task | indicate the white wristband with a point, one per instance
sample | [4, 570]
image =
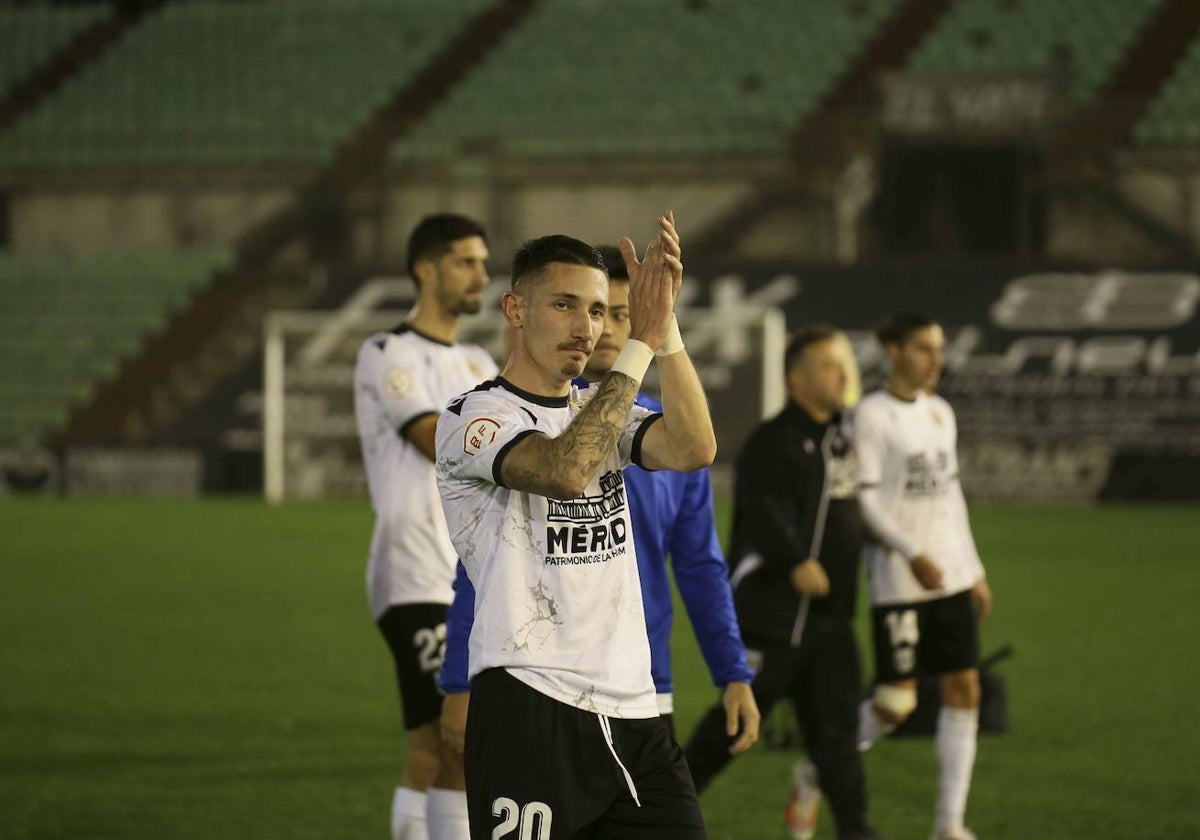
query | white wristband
[634, 359]
[673, 343]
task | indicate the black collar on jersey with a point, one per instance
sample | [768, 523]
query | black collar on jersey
[538, 399]
[407, 327]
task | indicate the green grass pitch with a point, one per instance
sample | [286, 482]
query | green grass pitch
[208, 669]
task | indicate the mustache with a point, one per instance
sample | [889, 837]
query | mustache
[582, 346]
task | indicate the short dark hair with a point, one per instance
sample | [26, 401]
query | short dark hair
[615, 262]
[435, 235]
[899, 328]
[538, 253]
[804, 339]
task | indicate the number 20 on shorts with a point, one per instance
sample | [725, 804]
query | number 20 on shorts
[530, 822]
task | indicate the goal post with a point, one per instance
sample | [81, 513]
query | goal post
[310, 438]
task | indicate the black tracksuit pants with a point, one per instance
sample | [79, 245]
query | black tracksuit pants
[823, 679]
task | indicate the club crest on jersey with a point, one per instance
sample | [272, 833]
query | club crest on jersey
[936, 415]
[398, 381]
[479, 434]
[579, 402]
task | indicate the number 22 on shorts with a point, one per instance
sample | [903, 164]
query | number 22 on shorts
[430, 643]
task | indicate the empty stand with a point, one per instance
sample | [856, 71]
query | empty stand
[31, 36]
[650, 78]
[1077, 43]
[67, 323]
[220, 83]
[1173, 118]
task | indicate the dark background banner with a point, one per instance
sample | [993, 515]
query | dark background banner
[1069, 384]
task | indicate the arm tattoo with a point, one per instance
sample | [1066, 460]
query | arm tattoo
[591, 436]
[594, 433]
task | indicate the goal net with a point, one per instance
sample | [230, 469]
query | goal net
[310, 439]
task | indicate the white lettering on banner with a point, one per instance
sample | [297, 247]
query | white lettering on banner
[994, 104]
[1117, 355]
[727, 325]
[1108, 300]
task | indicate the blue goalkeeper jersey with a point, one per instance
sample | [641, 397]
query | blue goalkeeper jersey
[672, 513]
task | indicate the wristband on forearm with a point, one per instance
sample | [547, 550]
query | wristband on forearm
[673, 343]
[634, 359]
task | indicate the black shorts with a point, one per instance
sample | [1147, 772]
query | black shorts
[933, 637]
[416, 635]
[537, 768]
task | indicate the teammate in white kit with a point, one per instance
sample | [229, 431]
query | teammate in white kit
[403, 379]
[564, 737]
[928, 589]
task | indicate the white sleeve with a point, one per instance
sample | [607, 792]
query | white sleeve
[394, 376]
[870, 445]
[883, 528]
[475, 432]
[960, 499]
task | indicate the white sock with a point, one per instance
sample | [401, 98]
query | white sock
[956, 730]
[870, 727]
[447, 814]
[408, 815]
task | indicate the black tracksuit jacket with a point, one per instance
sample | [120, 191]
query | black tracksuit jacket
[796, 496]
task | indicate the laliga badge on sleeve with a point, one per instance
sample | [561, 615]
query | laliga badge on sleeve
[479, 434]
[398, 381]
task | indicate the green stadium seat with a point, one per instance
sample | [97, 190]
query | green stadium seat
[213, 83]
[1173, 118]
[1025, 36]
[31, 36]
[600, 80]
[67, 323]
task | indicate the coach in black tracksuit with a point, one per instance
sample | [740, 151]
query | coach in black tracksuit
[795, 552]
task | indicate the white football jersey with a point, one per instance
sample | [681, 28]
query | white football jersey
[558, 600]
[400, 377]
[908, 451]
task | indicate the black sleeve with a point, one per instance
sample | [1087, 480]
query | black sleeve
[774, 514]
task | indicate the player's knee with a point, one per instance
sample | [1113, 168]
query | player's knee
[450, 770]
[961, 689]
[422, 754]
[894, 703]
